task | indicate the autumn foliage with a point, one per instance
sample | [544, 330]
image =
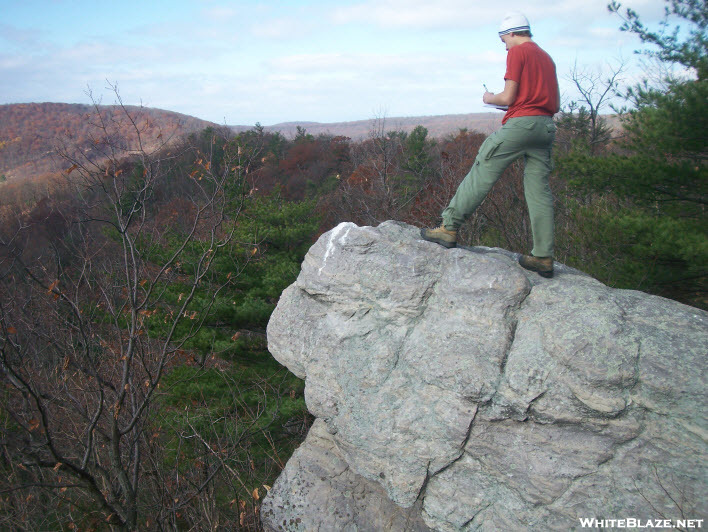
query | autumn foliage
[30, 133]
[139, 266]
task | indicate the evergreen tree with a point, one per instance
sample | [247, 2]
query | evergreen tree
[417, 150]
[658, 173]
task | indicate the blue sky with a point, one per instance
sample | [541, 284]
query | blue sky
[243, 62]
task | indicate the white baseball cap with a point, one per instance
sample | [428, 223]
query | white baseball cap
[513, 22]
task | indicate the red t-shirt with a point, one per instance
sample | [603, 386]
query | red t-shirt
[535, 72]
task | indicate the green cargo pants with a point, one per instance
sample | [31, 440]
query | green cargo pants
[530, 137]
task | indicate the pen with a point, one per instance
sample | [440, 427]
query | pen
[485, 87]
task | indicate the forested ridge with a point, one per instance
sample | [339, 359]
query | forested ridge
[137, 388]
[31, 132]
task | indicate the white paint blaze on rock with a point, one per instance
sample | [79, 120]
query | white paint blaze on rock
[477, 395]
[337, 237]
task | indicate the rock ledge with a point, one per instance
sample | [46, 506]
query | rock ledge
[456, 391]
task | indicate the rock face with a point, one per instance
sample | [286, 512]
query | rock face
[454, 390]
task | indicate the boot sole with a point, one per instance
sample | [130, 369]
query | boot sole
[443, 243]
[548, 274]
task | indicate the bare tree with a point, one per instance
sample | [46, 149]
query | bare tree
[89, 328]
[391, 170]
[370, 194]
[455, 156]
[582, 117]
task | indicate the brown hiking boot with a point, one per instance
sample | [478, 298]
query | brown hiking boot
[441, 236]
[541, 265]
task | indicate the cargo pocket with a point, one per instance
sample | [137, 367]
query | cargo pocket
[490, 147]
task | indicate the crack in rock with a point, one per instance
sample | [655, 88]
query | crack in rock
[467, 392]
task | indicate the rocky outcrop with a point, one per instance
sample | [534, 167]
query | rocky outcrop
[454, 390]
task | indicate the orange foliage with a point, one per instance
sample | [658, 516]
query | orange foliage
[361, 176]
[30, 133]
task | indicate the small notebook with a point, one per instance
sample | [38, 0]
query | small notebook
[500, 107]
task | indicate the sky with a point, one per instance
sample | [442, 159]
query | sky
[244, 62]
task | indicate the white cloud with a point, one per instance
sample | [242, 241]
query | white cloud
[11, 62]
[19, 36]
[320, 61]
[333, 64]
[282, 28]
[605, 34]
[415, 14]
[220, 13]
[461, 14]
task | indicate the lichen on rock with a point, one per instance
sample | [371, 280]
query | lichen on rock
[477, 395]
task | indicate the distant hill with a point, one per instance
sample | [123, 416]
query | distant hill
[29, 133]
[437, 126]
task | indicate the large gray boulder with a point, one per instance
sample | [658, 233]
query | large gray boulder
[454, 390]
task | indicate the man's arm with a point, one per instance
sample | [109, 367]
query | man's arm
[558, 93]
[507, 97]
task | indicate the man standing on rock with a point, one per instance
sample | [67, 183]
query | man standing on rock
[532, 96]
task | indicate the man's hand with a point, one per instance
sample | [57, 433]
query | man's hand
[511, 89]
